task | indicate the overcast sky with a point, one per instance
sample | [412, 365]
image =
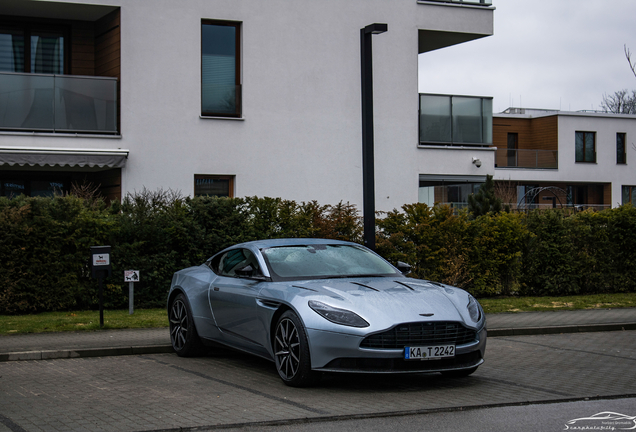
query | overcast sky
[556, 54]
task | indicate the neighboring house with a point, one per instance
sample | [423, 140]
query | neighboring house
[547, 158]
[237, 98]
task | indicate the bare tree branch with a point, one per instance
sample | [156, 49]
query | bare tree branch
[628, 55]
[621, 102]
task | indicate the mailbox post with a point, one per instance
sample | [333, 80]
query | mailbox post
[100, 268]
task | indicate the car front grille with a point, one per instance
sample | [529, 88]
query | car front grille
[420, 334]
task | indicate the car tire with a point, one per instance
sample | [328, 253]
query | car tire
[291, 352]
[183, 334]
[459, 373]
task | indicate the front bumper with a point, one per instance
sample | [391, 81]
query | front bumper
[338, 352]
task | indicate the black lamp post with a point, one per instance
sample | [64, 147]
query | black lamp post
[368, 175]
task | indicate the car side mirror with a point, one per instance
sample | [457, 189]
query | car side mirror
[403, 267]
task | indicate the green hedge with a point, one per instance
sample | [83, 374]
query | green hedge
[44, 245]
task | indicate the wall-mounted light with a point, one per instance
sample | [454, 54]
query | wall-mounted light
[477, 162]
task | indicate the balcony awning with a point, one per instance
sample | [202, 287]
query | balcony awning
[32, 156]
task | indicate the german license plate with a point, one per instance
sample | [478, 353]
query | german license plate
[429, 352]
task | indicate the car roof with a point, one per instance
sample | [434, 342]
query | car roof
[261, 244]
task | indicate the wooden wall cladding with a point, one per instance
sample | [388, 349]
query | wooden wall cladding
[534, 133]
[82, 48]
[108, 45]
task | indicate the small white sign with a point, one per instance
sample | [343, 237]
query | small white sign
[101, 259]
[131, 275]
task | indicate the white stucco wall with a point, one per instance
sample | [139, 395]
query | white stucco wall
[300, 136]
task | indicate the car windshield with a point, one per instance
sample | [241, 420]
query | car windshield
[324, 261]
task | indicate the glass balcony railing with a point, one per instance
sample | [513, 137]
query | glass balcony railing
[455, 120]
[541, 159]
[471, 2]
[58, 103]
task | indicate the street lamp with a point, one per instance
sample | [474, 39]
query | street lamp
[368, 176]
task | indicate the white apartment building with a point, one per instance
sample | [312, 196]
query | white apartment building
[557, 158]
[239, 98]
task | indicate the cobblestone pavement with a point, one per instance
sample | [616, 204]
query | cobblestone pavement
[163, 391]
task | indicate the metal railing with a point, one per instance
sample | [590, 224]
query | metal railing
[58, 103]
[539, 159]
[471, 2]
[572, 208]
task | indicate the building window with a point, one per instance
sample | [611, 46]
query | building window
[629, 194]
[513, 146]
[33, 49]
[621, 156]
[585, 146]
[220, 69]
[34, 185]
[213, 185]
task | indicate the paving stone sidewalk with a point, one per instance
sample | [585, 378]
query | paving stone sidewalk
[150, 341]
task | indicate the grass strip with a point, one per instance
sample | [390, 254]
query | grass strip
[82, 320]
[542, 304]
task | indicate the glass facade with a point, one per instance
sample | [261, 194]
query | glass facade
[36, 185]
[451, 191]
[455, 120]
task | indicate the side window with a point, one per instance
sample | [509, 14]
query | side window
[621, 156]
[229, 262]
[220, 68]
[585, 143]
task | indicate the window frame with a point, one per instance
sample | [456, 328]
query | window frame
[585, 133]
[238, 113]
[230, 179]
[621, 157]
[629, 192]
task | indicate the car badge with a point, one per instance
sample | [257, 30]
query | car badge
[427, 314]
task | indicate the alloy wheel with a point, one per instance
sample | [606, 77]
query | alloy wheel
[178, 324]
[287, 349]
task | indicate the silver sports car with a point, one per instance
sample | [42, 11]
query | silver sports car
[315, 305]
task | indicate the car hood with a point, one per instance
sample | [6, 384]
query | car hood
[383, 301]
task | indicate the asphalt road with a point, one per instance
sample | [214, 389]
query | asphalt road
[537, 418]
[227, 389]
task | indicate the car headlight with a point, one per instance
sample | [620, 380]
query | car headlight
[473, 309]
[338, 316]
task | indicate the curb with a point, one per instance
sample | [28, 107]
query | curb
[85, 352]
[163, 349]
[586, 328]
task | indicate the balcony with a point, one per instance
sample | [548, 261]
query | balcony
[58, 103]
[527, 159]
[455, 120]
[470, 2]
